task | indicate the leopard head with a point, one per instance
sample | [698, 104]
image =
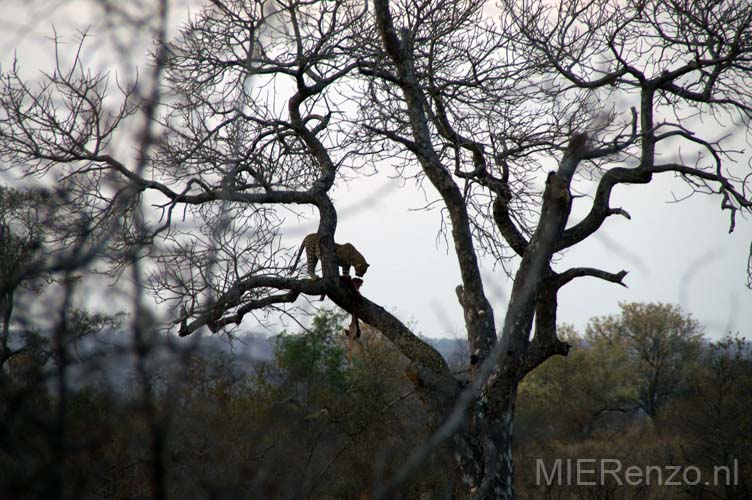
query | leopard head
[361, 268]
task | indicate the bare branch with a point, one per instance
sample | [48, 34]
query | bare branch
[579, 272]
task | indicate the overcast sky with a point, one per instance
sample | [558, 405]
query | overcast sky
[675, 252]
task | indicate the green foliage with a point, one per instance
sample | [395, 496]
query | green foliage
[314, 355]
[663, 344]
[716, 417]
[307, 424]
[705, 417]
[565, 395]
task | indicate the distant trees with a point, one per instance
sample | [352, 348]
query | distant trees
[663, 343]
[20, 240]
[41, 334]
[314, 355]
[643, 358]
[567, 396]
[34, 224]
[302, 425]
[716, 418]
[25, 225]
[305, 424]
[594, 405]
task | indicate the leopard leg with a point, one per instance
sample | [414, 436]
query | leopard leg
[312, 261]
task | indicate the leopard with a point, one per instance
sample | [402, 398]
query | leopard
[347, 256]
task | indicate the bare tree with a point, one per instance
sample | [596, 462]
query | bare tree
[261, 107]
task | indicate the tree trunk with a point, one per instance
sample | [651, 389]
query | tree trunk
[483, 452]
[6, 310]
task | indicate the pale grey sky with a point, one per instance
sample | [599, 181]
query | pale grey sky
[675, 252]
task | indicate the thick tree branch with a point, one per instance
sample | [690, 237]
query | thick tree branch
[600, 209]
[432, 367]
[578, 272]
[480, 325]
[507, 227]
[243, 298]
[530, 291]
[545, 342]
[214, 315]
